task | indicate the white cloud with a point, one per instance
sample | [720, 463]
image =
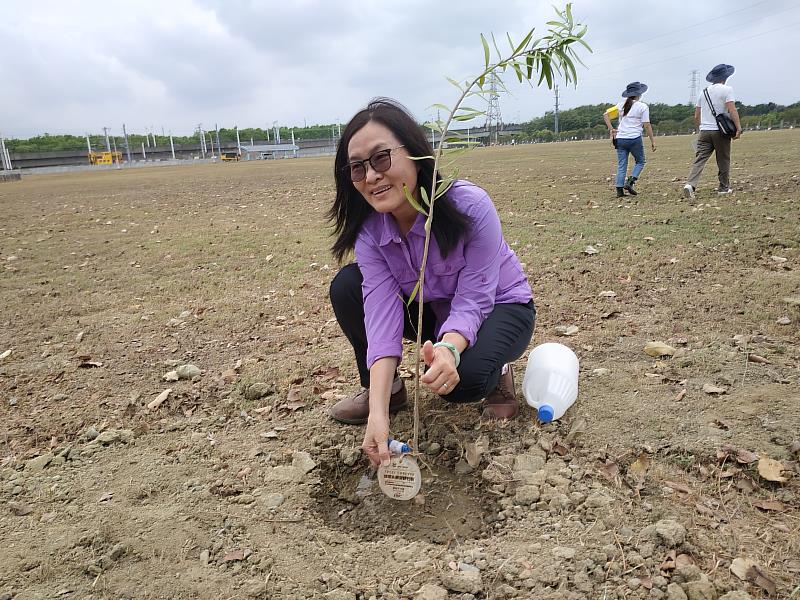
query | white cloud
[79, 66]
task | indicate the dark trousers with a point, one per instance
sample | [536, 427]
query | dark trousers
[709, 142]
[502, 338]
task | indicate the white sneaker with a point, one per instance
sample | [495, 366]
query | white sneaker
[688, 191]
[722, 192]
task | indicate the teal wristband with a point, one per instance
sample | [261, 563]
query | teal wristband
[453, 349]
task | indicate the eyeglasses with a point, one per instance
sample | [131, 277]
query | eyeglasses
[381, 162]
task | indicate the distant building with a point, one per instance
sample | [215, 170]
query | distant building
[269, 151]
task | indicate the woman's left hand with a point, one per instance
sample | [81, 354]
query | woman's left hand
[654, 146]
[441, 376]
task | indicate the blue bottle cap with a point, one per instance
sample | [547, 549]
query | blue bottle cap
[546, 413]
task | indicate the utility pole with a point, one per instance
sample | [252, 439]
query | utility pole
[144, 154]
[202, 139]
[127, 145]
[5, 158]
[693, 81]
[238, 143]
[294, 148]
[88, 143]
[171, 145]
[219, 148]
[493, 118]
[555, 125]
[108, 145]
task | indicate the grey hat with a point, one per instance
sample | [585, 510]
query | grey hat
[634, 89]
[720, 73]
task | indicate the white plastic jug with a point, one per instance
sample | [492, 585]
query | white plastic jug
[551, 380]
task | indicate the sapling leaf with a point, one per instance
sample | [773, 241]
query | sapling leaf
[485, 51]
[444, 185]
[455, 83]
[496, 47]
[413, 294]
[442, 106]
[413, 201]
[524, 42]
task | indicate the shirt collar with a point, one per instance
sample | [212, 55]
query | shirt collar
[391, 233]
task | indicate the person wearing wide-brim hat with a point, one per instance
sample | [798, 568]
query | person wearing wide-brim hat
[634, 115]
[718, 95]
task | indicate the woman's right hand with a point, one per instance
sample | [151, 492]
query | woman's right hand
[376, 440]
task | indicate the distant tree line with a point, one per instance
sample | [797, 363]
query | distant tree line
[585, 122]
[582, 122]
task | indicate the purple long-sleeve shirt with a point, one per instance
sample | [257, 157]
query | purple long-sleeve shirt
[463, 288]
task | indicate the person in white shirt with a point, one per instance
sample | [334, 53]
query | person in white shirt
[627, 137]
[709, 138]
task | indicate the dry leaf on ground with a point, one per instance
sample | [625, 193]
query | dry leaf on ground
[640, 466]
[749, 570]
[657, 349]
[769, 505]
[746, 457]
[678, 487]
[159, 400]
[755, 358]
[771, 469]
[608, 469]
[474, 450]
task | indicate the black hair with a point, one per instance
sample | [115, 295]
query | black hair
[350, 209]
[628, 103]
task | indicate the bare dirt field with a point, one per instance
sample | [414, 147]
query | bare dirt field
[672, 477]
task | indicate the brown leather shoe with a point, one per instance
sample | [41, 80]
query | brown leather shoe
[502, 402]
[355, 409]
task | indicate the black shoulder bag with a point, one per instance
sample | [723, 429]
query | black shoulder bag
[725, 124]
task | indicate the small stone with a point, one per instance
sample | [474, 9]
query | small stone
[433, 449]
[463, 468]
[634, 583]
[205, 557]
[783, 321]
[468, 568]
[700, 590]
[431, 591]
[466, 583]
[600, 372]
[38, 464]
[339, 594]
[303, 462]
[258, 390]
[349, 456]
[671, 532]
[736, 595]
[408, 553]
[187, 371]
[686, 573]
[527, 495]
[274, 500]
[563, 552]
[91, 434]
[675, 592]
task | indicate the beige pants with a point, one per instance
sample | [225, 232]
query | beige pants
[707, 143]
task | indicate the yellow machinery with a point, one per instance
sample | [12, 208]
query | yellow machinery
[226, 156]
[105, 158]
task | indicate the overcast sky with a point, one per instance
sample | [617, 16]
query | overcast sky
[73, 67]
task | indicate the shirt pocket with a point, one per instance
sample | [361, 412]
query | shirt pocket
[444, 275]
[403, 274]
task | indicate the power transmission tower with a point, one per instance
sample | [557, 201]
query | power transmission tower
[493, 118]
[693, 81]
[555, 121]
